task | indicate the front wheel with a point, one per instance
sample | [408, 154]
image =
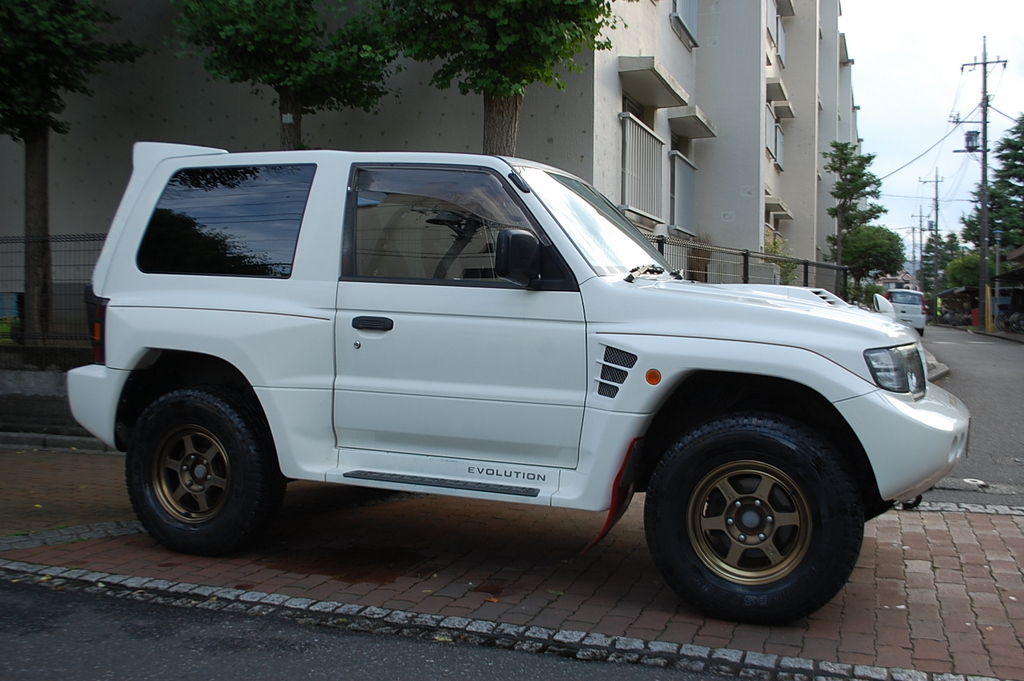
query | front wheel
[754, 518]
[201, 471]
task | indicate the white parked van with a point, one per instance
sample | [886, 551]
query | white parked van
[910, 307]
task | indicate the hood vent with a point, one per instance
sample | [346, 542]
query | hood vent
[614, 368]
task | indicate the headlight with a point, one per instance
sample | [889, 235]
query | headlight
[900, 370]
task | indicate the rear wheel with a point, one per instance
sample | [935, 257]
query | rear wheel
[201, 471]
[754, 518]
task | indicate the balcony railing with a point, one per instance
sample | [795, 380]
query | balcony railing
[682, 196]
[641, 168]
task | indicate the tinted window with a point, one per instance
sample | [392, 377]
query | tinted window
[430, 223]
[906, 297]
[241, 221]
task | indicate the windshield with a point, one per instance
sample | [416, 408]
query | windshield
[610, 243]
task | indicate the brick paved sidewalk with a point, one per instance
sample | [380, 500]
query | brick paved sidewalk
[938, 592]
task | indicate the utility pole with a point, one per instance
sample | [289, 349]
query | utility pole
[933, 229]
[920, 235]
[983, 278]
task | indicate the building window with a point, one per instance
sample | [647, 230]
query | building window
[684, 21]
[780, 147]
[774, 137]
[780, 40]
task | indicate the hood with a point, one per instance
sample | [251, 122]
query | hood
[663, 306]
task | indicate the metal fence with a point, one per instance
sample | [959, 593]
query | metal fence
[73, 256]
[700, 261]
[65, 326]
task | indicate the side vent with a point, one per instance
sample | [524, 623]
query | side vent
[614, 370]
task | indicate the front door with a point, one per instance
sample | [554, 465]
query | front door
[436, 357]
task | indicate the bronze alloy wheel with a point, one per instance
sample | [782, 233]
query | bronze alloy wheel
[191, 474]
[749, 522]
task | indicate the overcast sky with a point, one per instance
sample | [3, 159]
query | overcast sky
[908, 83]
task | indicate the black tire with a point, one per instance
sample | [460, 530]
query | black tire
[202, 471]
[754, 518]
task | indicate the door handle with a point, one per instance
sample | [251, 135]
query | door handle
[373, 323]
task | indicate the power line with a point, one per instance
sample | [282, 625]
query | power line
[1001, 113]
[917, 158]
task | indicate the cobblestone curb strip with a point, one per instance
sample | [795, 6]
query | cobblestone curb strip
[69, 534]
[580, 645]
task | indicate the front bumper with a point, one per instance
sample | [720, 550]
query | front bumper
[911, 444]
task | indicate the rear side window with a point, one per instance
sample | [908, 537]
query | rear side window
[236, 221]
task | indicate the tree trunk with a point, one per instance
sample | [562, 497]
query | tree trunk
[38, 284]
[839, 238]
[501, 124]
[291, 119]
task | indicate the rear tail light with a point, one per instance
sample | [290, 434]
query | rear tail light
[97, 310]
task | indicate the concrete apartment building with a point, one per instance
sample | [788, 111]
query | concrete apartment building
[707, 118]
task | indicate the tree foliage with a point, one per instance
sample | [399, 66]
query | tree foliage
[48, 49]
[497, 48]
[1005, 195]
[287, 45]
[964, 271]
[854, 185]
[872, 251]
[937, 253]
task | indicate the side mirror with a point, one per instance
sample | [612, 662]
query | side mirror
[517, 257]
[884, 306]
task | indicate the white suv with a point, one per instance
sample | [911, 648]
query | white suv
[495, 329]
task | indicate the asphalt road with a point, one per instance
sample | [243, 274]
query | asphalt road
[71, 635]
[988, 375]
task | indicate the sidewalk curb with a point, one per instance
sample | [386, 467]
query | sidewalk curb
[47, 441]
[580, 645]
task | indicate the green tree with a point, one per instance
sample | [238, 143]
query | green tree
[496, 48]
[937, 253]
[48, 49]
[1005, 195]
[964, 271]
[286, 45]
[868, 295]
[854, 185]
[872, 251]
[788, 270]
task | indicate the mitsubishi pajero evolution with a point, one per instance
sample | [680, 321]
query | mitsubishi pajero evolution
[495, 329]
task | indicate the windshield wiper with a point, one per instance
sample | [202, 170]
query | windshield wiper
[641, 270]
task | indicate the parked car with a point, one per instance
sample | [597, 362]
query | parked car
[493, 329]
[910, 307]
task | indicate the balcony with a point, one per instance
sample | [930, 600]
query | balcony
[649, 83]
[641, 169]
